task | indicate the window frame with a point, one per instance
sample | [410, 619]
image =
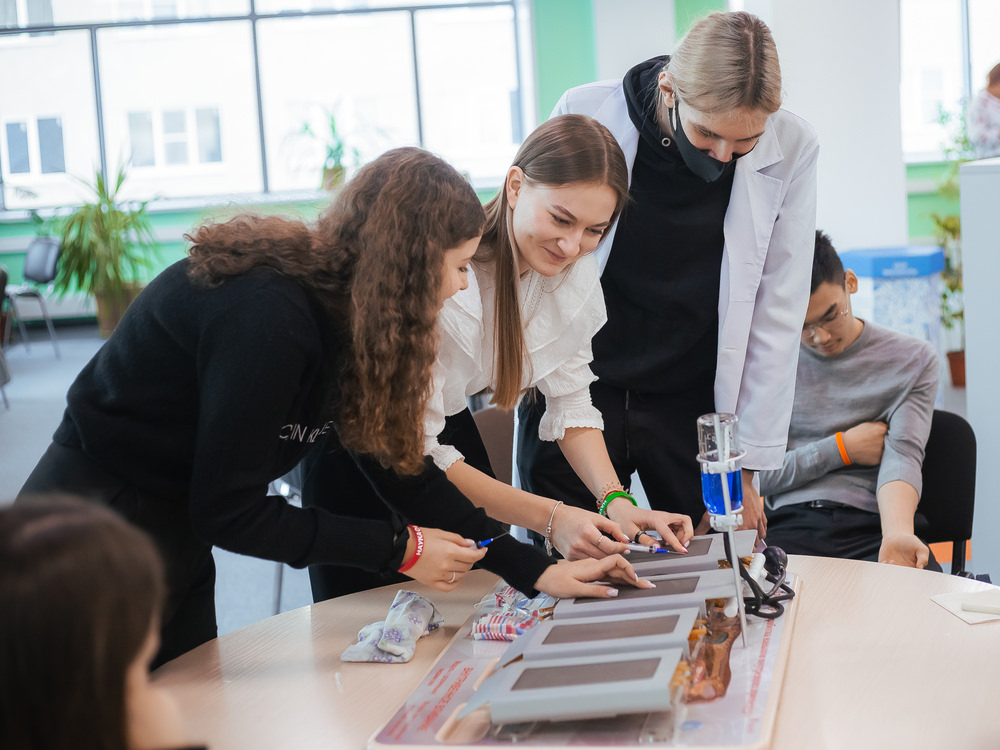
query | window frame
[520, 11]
[33, 138]
[969, 88]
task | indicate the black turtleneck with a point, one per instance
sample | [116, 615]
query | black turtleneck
[661, 283]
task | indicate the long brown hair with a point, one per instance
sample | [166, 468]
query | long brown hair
[565, 150]
[80, 589]
[374, 262]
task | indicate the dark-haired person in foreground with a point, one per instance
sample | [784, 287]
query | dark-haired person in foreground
[81, 592]
[864, 398]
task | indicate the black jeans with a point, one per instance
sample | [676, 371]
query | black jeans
[332, 481]
[189, 612]
[657, 436]
[832, 531]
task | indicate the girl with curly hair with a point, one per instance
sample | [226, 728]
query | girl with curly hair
[233, 363]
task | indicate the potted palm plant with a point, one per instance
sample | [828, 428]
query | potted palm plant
[105, 245]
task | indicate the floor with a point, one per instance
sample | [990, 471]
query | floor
[248, 589]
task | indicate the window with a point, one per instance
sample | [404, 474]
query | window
[55, 138]
[177, 141]
[140, 136]
[18, 160]
[35, 146]
[206, 98]
[984, 49]
[947, 48]
[209, 135]
[170, 73]
[50, 145]
[472, 119]
[175, 137]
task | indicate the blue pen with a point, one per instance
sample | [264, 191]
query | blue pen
[480, 545]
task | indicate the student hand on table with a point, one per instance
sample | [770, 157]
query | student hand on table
[569, 579]
[674, 528]
[900, 548]
[579, 534]
[444, 560]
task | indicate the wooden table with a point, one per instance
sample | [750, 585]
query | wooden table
[874, 663]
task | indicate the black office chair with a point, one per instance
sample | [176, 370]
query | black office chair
[949, 494]
[40, 262]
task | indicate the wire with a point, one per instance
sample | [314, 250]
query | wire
[766, 606]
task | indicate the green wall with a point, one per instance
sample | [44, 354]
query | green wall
[565, 49]
[687, 12]
[925, 198]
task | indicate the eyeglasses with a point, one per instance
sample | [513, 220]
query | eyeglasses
[828, 324]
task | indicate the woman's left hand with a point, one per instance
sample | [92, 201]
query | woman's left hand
[569, 579]
[674, 529]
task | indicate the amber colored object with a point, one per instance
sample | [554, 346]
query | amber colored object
[710, 673]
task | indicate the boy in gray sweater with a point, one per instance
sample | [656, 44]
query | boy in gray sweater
[864, 398]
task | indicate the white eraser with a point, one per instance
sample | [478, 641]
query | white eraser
[987, 601]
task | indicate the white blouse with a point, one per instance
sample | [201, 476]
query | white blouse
[560, 315]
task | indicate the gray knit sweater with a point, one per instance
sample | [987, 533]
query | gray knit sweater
[883, 376]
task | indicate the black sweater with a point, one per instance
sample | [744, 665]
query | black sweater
[661, 282]
[204, 396]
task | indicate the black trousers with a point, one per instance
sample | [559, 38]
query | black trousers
[189, 613]
[657, 436]
[332, 481]
[832, 531]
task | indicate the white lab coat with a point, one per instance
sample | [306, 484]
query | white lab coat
[766, 266]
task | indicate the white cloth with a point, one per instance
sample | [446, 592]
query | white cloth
[983, 124]
[766, 266]
[560, 315]
[394, 640]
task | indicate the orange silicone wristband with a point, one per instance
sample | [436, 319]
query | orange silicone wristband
[843, 449]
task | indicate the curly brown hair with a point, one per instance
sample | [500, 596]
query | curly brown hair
[374, 262]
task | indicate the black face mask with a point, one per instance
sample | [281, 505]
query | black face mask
[703, 165]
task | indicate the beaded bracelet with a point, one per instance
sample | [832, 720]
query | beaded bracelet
[609, 487]
[419, 536]
[603, 509]
[548, 528]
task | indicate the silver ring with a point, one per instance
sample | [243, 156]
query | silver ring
[599, 540]
[452, 579]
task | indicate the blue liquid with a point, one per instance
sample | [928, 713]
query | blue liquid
[711, 492]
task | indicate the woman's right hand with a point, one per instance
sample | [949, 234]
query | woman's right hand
[445, 560]
[579, 534]
[570, 579]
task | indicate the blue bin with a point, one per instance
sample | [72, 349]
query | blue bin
[899, 288]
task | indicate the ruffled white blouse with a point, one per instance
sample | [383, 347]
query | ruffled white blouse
[560, 315]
